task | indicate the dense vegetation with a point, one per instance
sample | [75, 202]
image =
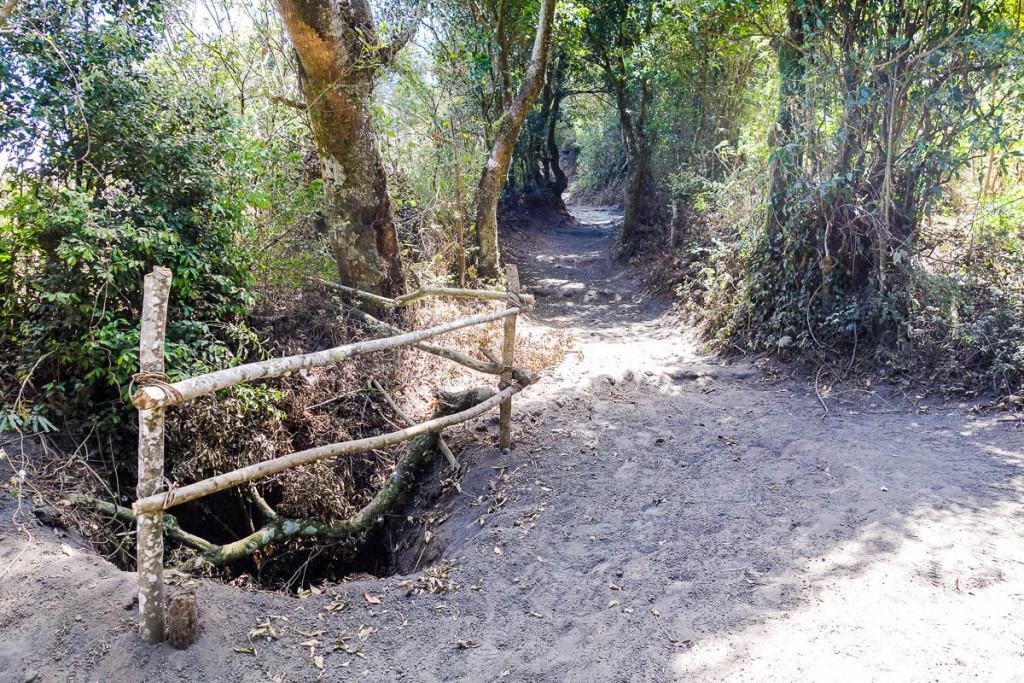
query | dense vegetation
[837, 180]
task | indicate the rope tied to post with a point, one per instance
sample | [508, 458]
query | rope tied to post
[172, 488]
[158, 380]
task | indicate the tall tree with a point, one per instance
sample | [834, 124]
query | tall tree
[495, 172]
[340, 58]
[616, 32]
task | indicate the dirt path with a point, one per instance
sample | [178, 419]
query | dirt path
[662, 517]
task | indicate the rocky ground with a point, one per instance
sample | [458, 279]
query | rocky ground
[663, 516]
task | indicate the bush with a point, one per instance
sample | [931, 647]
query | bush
[82, 228]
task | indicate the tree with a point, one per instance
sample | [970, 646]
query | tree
[340, 57]
[616, 32]
[495, 172]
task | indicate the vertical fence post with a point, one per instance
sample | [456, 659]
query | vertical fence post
[507, 359]
[149, 527]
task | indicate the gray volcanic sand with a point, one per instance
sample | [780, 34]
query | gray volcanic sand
[662, 517]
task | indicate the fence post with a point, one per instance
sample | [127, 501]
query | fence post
[507, 358]
[149, 526]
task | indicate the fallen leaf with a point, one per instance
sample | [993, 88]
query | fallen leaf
[318, 662]
[366, 632]
[613, 603]
[466, 644]
[370, 598]
[614, 586]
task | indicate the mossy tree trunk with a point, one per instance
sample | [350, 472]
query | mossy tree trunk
[340, 56]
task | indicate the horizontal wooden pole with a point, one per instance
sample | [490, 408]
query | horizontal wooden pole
[162, 501]
[521, 375]
[355, 292]
[155, 396]
[489, 294]
[422, 292]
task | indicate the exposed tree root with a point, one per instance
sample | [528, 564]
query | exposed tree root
[279, 528]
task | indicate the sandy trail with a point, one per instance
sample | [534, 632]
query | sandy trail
[662, 517]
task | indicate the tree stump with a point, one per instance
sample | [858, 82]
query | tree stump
[182, 621]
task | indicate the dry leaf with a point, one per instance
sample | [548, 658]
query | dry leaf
[371, 599]
[614, 586]
[613, 603]
[318, 662]
[466, 644]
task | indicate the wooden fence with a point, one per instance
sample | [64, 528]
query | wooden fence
[155, 392]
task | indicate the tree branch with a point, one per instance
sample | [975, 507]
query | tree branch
[6, 11]
[289, 102]
[397, 39]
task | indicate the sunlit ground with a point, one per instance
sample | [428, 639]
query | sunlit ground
[944, 600]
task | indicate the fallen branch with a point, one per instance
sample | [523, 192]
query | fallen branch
[155, 396]
[162, 501]
[441, 445]
[123, 514]
[280, 528]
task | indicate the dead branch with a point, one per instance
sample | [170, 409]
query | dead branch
[441, 445]
[123, 514]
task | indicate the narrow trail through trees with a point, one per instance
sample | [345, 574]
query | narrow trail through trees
[662, 516]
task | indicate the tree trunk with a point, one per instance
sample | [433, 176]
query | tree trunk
[495, 173]
[791, 88]
[559, 182]
[339, 57]
[637, 151]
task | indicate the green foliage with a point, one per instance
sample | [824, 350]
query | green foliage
[880, 114]
[137, 174]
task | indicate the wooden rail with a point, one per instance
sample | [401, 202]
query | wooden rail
[155, 393]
